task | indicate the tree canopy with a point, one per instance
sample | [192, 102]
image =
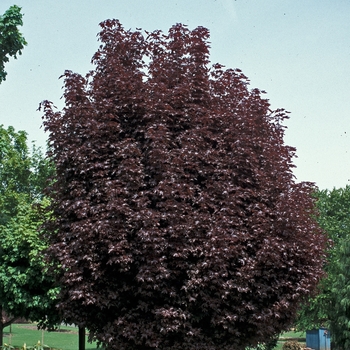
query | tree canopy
[338, 311]
[329, 307]
[26, 289]
[176, 220]
[333, 216]
[12, 41]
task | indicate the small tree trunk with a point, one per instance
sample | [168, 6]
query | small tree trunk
[81, 338]
[4, 323]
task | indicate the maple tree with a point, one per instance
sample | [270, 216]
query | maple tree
[176, 219]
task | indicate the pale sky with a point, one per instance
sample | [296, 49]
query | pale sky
[298, 51]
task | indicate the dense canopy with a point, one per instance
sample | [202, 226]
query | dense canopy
[177, 221]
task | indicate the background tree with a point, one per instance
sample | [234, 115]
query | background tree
[177, 222]
[12, 41]
[26, 289]
[339, 312]
[334, 217]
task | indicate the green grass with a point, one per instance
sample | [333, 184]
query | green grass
[66, 338]
[294, 334]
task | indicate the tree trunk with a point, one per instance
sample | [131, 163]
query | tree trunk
[4, 324]
[81, 338]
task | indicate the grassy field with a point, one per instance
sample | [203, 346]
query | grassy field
[66, 338]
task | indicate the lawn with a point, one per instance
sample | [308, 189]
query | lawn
[66, 338]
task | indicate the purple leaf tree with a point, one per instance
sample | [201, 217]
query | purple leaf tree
[177, 222]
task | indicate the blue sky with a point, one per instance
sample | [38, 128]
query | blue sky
[298, 51]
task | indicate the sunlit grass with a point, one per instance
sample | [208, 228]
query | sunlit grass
[66, 338]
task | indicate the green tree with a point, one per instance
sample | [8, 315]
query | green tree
[334, 218]
[26, 289]
[12, 41]
[339, 312]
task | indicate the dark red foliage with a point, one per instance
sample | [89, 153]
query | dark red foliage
[178, 223]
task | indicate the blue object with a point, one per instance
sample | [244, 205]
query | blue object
[318, 339]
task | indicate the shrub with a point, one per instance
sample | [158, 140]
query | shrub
[37, 346]
[292, 345]
[260, 346]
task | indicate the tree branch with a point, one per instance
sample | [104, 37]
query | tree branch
[7, 323]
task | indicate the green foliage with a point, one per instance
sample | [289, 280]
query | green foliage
[291, 345]
[12, 41]
[339, 313]
[334, 218]
[26, 290]
[37, 346]
[6, 347]
[23, 174]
